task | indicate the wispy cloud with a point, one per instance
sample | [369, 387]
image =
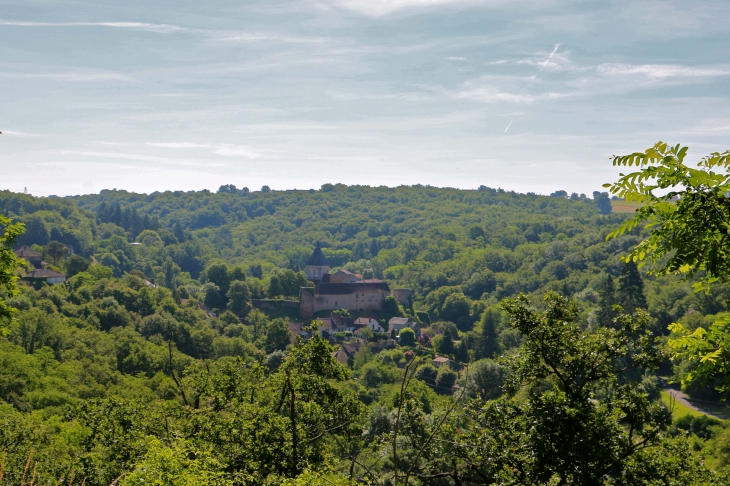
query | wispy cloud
[226, 150]
[11, 133]
[179, 145]
[157, 28]
[378, 8]
[236, 151]
[661, 71]
[80, 76]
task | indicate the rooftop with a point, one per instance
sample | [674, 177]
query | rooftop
[26, 252]
[317, 259]
[43, 273]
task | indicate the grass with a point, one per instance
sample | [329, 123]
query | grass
[679, 409]
[720, 410]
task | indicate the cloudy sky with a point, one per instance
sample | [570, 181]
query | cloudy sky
[528, 95]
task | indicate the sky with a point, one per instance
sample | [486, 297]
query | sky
[525, 95]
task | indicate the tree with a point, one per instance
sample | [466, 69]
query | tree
[445, 379]
[36, 231]
[171, 270]
[563, 432]
[8, 263]
[278, 336]
[606, 301]
[407, 337]
[487, 344]
[603, 202]
[56, 250]
[630, 293]
[391, 307]
[446, 344]
[456, 308]
[239, 298]
[76, 264]
[689, 236]
[485, 380]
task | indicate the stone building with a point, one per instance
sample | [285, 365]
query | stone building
[316, 266]
[339, 290]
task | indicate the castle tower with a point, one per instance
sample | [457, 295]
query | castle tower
[316, 266]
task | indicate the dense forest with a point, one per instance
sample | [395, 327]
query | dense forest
[118, 376]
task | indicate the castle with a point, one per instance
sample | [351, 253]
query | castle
[341, 290]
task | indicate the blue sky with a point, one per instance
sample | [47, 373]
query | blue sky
[524, 95]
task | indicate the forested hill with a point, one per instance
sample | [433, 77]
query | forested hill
[482, 245]
[110, 378]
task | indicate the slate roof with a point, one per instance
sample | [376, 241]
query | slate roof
[44, 274]
[317, 259]
[346, 288]
[26, 252]
[398, 320]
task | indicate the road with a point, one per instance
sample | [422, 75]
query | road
[682, 398]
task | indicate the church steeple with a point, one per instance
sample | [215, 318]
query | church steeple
[317, 265]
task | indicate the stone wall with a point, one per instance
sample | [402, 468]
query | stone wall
[353, 302]
[306, 302]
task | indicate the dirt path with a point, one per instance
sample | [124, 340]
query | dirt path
[682, 398]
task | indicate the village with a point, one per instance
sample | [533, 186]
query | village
[340, 307]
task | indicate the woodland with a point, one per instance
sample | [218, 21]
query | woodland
[563, 348]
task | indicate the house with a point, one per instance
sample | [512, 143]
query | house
[295, 329]
[209, 314]
[30, 255]
[346, 353]
[369, 323]
[398, 323]
[334, 324]
[440, 361]
[48, 276]
[340, 290]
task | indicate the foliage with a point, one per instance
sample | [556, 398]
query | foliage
[8, 264]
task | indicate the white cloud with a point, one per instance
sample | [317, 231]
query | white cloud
[157, 28]
[378, 8]
[660, 71]
[179, 145]
[488, 94]
[11, 133]
[236, 151]
[80, 76]
[457, 58]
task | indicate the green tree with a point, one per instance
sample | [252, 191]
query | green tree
[487, 343]
[630, 292]
[445, 379]
[76, 264]
[239, 298]
[562, 431]
[278, 336]
[8, 263]
[407, 337]
[391, 307]
[446, 344]
[606, 301]
[56, 250]
[603, 202]
[689, 219]
[485, 380]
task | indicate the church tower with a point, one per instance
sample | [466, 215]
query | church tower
[316, 266]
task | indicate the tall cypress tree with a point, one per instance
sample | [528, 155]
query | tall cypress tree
[487, 345]
[606, 300]
[631, 288]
